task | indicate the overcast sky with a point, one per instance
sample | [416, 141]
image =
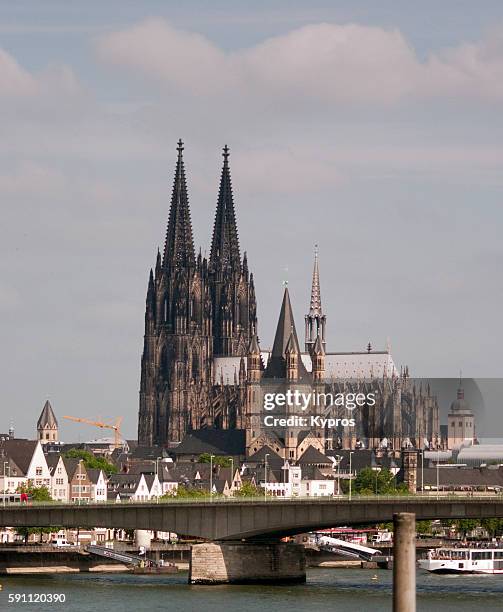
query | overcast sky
[372, 129]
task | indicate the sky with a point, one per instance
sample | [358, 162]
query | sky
[371, 129]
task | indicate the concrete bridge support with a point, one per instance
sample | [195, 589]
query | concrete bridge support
[247, 563]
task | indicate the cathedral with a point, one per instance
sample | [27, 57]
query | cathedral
[202, 365]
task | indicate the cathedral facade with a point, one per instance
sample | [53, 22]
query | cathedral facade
[202, 365]
[197, 309]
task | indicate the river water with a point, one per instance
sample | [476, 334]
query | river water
[326, 589]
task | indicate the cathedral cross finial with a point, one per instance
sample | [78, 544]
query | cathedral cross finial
[226, 153]
[179, 148]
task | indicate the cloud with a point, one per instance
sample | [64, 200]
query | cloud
[15, 81]
[327, 63]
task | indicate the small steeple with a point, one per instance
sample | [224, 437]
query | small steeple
[225, 243]
[315, 304]
[285, 338]
[179, 244]
[315, 320]
[47, 425]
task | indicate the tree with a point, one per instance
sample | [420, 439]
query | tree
[39, 494]
[380, 482]
[217, 460]
[423, 527]
[183, 491]
[465, 525]
[493, 526]
[91, 461]
[248, 489]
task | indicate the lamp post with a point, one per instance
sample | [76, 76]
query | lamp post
[350, 473]
[5, 463]
[158, 479]
[211, 476]
[232, 472]
[438, 473]
[265, 476]
[422, 471]
[338, 459]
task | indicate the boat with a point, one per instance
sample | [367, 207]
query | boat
[464, 560]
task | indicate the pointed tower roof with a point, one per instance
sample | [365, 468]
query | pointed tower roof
[285, 338]
[315, 309]
[292, 346]
[254, 348]
[179, 244]
[225, 242]
[47, 417]
[318, 346]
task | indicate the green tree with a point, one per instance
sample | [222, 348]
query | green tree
[183, 491]
[493, 526]
[380, 482]
[217, 460]
[466, 525]
[39, 494]
[423, 527]
[248, 489]
[91, 461]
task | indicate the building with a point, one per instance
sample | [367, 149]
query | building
[47, 425]
[196, 310]
[460, 422]
[23, 462]
[202, 367]
[60, 486]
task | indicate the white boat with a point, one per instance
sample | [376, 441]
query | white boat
[464, 561]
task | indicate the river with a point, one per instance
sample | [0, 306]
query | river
[326, 589]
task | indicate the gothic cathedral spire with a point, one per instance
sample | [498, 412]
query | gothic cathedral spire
[225, 243]
[315, 319]
[179, 244]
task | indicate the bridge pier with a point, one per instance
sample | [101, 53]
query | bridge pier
[247, 563]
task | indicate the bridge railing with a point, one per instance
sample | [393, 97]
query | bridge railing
[269, 499]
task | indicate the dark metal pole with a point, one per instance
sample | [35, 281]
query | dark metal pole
[404, 562]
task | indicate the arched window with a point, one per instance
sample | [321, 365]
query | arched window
[164, 362]
[196, 308]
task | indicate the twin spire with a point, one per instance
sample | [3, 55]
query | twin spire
[179, 245]
[225, 243]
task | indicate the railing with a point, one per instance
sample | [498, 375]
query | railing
[269, 499]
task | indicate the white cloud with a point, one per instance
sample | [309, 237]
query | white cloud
[15, 81]
[326, 62]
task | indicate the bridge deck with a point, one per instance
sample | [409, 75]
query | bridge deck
[235, 518]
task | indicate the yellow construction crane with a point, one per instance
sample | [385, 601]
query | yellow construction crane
[115, 426]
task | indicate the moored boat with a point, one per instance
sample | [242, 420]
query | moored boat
[464, 561]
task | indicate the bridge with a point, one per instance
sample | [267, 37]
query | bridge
[237, 519]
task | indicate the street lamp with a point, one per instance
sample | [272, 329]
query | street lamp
[158, 479]
[338, 459]
[232, 472]
[4, 487]
[350, 473]
[422, 471]
[438, 473]
[211, 476]
[265, 476]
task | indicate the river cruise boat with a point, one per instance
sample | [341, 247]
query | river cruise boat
[464, 561]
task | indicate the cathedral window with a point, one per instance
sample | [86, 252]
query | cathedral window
[165, 310]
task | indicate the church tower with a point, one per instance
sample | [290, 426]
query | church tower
[196, 310]
[47, 425]
[234, 317]
[315, 319]
[177, 352]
